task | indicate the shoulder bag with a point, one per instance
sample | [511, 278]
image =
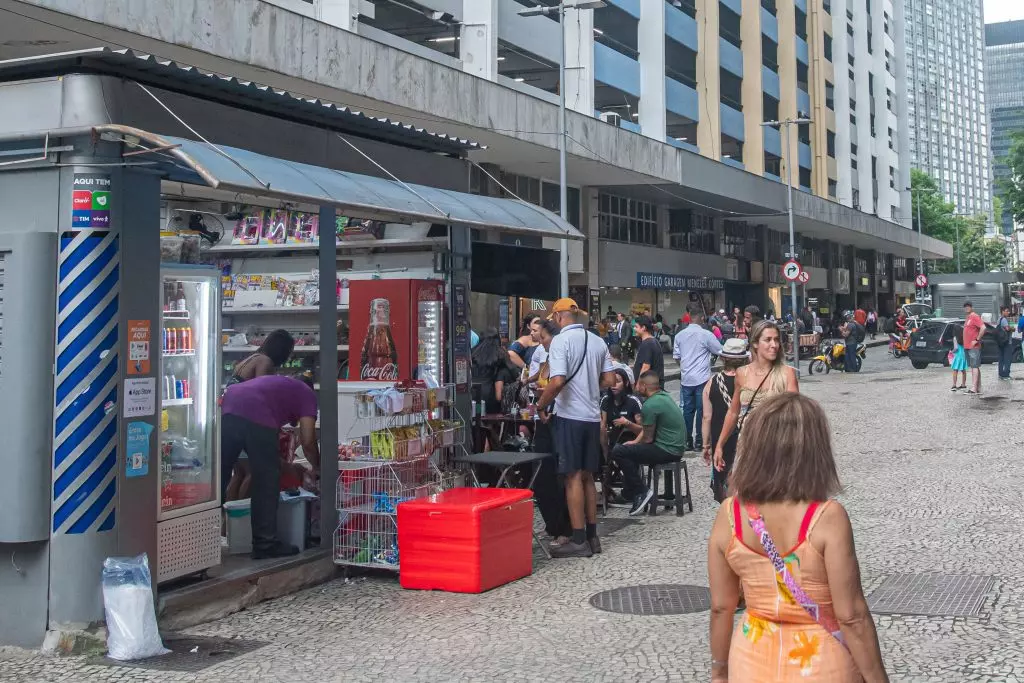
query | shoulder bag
[828, 623]
[750, 406]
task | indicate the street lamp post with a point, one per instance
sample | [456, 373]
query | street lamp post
[563, 209]
[784, 126]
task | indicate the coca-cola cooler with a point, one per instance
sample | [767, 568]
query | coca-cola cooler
[397, 330]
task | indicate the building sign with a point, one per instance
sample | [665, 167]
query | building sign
[680, 282]
[90, 201]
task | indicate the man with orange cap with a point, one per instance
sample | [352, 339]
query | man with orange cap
[579, 367]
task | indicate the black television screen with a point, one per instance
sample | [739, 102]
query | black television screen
[508, 270]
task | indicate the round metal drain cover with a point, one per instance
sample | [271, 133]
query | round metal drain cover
[660, 599]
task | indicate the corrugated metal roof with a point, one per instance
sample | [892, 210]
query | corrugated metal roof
[194, 81]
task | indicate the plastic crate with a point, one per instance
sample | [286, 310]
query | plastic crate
[466, 540]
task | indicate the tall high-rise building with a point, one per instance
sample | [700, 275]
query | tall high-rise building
[946, 99]
[1004, 73]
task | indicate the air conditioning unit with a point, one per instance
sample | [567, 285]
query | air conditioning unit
[611, 117]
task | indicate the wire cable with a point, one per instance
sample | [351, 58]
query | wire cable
[391, 175]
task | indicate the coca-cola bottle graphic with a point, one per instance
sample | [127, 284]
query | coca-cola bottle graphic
[379, 358]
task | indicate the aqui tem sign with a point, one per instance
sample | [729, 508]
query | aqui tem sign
[678, 282]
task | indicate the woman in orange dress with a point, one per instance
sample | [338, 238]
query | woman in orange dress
[806, 618]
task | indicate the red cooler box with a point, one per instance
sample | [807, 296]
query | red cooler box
[466, 540]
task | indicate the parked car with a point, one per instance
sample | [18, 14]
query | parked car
[933, 341]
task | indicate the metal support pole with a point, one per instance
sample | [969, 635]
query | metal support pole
[920, 258]
[563, 209]
[792, 246]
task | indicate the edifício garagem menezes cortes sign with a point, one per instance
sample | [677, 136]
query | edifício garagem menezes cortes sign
[681, 282]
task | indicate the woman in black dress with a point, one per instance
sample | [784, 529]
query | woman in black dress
[717, 399]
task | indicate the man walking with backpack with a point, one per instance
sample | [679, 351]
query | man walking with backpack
[1003, 340]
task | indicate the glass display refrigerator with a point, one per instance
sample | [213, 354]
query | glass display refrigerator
[396, 330]
[189, 517]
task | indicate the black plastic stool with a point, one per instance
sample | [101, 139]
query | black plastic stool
[680, 475]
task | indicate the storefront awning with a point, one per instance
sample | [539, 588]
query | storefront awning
[246, 172]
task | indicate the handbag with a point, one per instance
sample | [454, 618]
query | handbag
[828, 623]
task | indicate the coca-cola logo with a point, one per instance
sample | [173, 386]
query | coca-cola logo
[385, 373]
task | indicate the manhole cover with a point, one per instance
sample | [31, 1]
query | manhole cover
[933, 595]
[608, 526]
[189, 654]
[654, 600]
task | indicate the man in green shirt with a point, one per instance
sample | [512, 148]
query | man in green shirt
[660, 438]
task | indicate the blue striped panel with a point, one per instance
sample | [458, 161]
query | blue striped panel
[85, 436]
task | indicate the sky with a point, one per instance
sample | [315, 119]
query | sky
[1003, 10]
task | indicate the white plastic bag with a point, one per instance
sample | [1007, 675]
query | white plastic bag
[132, 632]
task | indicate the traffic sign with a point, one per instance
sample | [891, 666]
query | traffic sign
[804, 277]
[921, 280]
[791, 270]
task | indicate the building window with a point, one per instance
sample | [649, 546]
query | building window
[769, 5]
[770, 107]
[832, 188]
[827, 6]
[801, 76]
[828, 47]
[830, 143]
[627, 220]
[801, 23]
[687, 7]
[871, 50]
[739, 240]
[680, 63]
[805, 177]
[830, 95]
[849, 27]
[731, 89]
[851, 60]
[691, 231]
[769, 53]
[729, 25]
[772, 164]
[803, 133]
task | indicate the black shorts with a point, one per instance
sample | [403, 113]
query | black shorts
[578, 445]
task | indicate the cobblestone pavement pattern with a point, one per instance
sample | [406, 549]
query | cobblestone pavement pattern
[932, 483]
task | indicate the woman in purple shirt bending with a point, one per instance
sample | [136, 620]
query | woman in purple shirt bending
[252, 413]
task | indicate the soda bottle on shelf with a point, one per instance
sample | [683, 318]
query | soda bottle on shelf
[172, 341]
[187, 332]
[379, 358]
[180, 298]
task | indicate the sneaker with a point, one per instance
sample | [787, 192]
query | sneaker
[617, 500]
[972, 392]
[571, 549]
[595, 545]
[954, 388]
[277, 550]
[640, 502]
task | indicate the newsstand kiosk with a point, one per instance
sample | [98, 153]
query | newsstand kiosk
[110, 363]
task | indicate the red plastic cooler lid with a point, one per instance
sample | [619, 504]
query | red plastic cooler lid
[469, 499]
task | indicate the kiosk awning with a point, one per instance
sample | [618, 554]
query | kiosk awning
[246, 172]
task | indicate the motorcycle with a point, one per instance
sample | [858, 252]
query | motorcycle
[899, 343]
[832, 356]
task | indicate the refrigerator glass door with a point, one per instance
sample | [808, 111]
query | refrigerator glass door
[189, 382]
[429, 340]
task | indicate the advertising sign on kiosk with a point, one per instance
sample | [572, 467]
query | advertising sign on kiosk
[396, 330]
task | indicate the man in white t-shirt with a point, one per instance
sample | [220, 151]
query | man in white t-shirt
[579, 367]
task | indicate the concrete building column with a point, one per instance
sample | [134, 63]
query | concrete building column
[478, 47]
[709, 91]
[763, 241]
[786, 16]
[752, 88]
[590, 227]
[875, 274]
[831, 280]
[854, 274]
[651, 39]
[340, 13]
[579, 60]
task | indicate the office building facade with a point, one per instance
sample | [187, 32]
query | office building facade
[1004, 76]
[948, 123]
